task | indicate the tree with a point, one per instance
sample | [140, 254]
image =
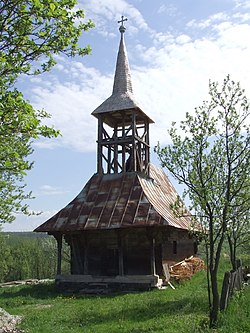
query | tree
[30, 257]
[32, 32]
[5, 258]
[210, 156]
[238, 233]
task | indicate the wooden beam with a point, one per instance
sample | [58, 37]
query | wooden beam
[99, 147]
[86, 261]
[120, 252]
[59, 254]
[152, 259]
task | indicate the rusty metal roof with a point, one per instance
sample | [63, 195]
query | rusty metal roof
[122, 97]
[121, 200]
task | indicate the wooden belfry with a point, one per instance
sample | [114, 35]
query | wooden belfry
[120, 228]
[125, 146]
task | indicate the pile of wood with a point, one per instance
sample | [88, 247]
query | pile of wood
[186, 268]
[24, 282]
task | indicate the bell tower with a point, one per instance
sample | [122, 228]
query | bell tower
[123, 128]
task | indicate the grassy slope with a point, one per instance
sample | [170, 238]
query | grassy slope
[180, 310]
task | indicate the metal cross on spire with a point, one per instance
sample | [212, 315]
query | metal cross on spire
[122, 28]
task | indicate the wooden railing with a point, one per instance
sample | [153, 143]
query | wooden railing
[232, 281]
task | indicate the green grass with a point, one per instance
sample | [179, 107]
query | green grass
[237, 317]
[181, 310]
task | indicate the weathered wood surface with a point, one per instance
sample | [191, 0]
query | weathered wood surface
[232, 281]
[104, 284]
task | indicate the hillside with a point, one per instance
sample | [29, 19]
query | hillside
[159, 311]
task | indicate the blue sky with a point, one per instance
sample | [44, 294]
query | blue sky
[174, 48]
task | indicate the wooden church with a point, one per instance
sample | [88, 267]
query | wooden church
[120, 228]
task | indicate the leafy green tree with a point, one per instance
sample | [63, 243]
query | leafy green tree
[5, 258]
[32, 32]
[19, 124]
[28, 258]
[210, 156]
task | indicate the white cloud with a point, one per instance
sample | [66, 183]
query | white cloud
[27, 223]
[51, 190]
[177, 79]
[243, 17]
[103, 12]
[168, 9]
[245, 4]
[183, 39]
[233, 36]
[208, 22]
[70, 103]
[170, 77]
[162, 9]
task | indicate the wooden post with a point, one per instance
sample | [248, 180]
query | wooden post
[109, 162]
[115, 150]
[239, 274]
[133, 151]
[238, 263]
[232, 283]
[225, 291]
[147, 149]
[59, 254]
[99, 145]
[120, 252]
[77, 259]
[153, 270]
[86, 262]
[123, 146]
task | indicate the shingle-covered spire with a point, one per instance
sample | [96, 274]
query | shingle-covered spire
[122, 80]
[122, 97]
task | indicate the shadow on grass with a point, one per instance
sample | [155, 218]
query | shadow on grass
[144, 312]
[106, 309]
[48, 291]
[133, 316]
[40, 291]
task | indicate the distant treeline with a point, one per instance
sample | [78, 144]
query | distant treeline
[28, 255]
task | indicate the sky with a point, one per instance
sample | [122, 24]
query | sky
[174, 49]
